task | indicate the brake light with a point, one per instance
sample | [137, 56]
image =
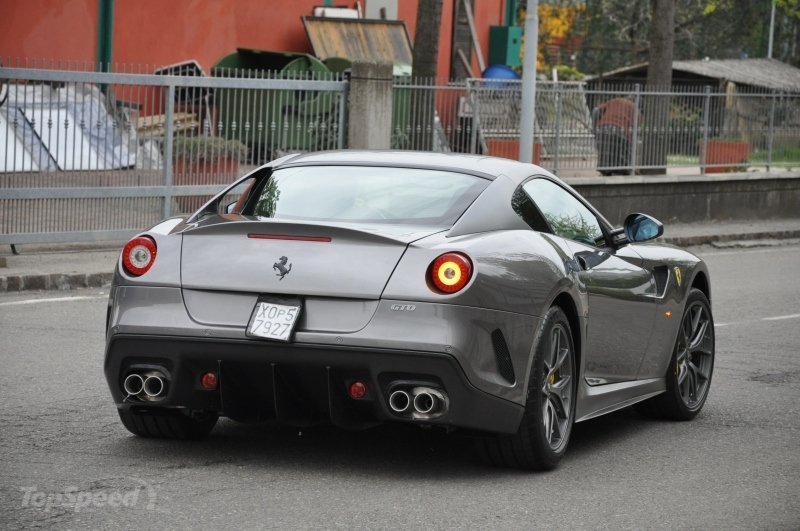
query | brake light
[138, 255]
[451, 272]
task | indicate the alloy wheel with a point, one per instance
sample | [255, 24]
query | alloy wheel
[694, 359]
[557, 389]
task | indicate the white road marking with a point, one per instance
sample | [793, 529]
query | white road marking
[54, 299]
[782, 317]
[761, 319]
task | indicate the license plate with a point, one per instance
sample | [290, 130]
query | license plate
[271, 320]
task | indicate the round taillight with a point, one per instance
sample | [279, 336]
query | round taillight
[357, 390]
[451, 272]
[209, 381]
[138, 255]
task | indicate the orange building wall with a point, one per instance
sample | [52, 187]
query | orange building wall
[48, 29]
[161, 32]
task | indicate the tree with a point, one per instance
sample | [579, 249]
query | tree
[659, 78]
[425, 61]
[426, 39]
[615, 33]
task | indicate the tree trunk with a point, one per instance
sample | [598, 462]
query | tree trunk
[425, 62]
[659, 78]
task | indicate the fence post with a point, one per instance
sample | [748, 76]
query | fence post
[557, 90]
[343, 96]
[168, 139]
[476, 115]
[635, 135]
[704, 145]
[771, 131]
[370, 106]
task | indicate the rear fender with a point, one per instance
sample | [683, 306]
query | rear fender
[166, 269]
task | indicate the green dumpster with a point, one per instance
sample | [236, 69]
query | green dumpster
[275, 121]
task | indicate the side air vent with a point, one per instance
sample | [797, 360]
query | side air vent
[503, 357]
[661, 274]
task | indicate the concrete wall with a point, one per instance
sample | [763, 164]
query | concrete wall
[695, 198]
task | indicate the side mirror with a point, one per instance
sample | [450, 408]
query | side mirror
[641, 227]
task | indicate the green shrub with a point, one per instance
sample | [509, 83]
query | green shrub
[207, 148]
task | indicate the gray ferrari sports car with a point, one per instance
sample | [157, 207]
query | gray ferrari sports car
[446, 290]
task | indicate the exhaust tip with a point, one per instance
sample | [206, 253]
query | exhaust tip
[133, 384]
[153, 386]
[425, 403]
[399, 401]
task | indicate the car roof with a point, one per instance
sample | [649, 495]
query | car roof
[485, 166]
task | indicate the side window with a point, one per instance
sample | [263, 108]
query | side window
[567, 216]
[234, 200]
[525, 209]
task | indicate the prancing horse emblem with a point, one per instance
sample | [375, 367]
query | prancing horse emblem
[280, 267]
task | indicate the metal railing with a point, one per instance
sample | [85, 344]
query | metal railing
[88, 155]
[582, 131]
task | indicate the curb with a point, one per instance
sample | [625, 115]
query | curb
[707, 239]
[55, 281]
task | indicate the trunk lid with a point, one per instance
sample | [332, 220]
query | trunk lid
[243, 254]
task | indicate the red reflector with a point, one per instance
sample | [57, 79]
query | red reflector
[451, 272]
[209, 381]
[320, 239]
[357, 390]
[138, 255]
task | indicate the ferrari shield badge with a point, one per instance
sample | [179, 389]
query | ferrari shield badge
[281, 268]
[678, 277]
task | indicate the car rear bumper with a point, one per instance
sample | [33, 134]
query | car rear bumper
[301, 384]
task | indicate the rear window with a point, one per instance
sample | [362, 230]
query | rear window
[367, 194]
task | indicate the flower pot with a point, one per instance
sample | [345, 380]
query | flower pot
[509, 148]
[193, 171]
[727, 155]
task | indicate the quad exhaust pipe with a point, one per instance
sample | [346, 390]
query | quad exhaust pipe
[399, 401]
[420, 402]
[133, 384]
[153, 386]
[148, 386]
[425, 403]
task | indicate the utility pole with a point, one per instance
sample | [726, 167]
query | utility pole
[527, 116]
[771, 30]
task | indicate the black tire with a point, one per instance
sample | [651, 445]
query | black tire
[690, 369]
[535, 447]
[167, 424]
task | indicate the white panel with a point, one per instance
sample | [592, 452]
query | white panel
[13, 155]
[68, 146]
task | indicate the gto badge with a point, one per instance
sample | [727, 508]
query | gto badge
[280, 267]
[402, 307]
[678, 278]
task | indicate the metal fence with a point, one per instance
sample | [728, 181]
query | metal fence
[88, 155]
[581, 131]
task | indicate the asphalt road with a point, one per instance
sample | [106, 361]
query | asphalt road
[67, 462]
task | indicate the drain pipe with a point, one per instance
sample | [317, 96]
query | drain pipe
[105, 34]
